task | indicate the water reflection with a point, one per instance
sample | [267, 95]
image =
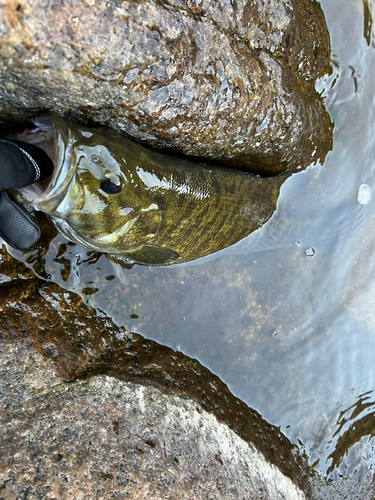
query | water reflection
[353, 424]
[367, 24]
[290, 330]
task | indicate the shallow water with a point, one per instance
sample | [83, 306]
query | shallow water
[285, 317]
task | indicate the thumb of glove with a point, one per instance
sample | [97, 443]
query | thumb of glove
[17, 226]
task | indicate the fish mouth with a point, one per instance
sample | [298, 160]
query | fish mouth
[52, 134]
[64, 170]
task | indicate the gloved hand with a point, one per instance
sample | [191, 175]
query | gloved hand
[21, 164]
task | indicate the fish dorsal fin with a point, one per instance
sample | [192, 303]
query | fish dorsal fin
[153, 255]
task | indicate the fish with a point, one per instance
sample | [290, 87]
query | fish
[138, 206]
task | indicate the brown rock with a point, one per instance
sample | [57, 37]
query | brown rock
[227, 81]
[162, 424]
[104, 438]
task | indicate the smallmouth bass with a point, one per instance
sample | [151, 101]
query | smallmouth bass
[114, 196]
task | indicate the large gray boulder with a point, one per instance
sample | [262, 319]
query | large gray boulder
[227, 81]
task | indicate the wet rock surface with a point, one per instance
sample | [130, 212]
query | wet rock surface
[227, 81]
[108, 432]
[105, 438]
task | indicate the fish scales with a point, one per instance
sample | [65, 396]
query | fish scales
[114, 196]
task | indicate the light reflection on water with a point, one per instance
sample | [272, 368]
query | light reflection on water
[291, 334]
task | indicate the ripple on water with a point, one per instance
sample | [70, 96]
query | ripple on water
[350, 423]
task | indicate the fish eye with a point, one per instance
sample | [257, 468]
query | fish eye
[95, 158]
[110, 187]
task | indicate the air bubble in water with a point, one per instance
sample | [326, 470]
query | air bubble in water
[364, 194]
[310, 252]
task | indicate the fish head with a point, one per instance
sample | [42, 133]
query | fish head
[93, 196]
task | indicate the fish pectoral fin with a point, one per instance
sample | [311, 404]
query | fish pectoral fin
[122, 261]
[153, 255]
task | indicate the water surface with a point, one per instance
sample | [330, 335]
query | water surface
[285, 317]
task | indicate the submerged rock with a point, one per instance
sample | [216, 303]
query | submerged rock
[105, 438]
[140, 419]
[227, 81]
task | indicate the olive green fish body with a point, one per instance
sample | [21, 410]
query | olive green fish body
[213, 209]
[116, 197]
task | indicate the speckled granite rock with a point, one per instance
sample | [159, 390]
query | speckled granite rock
[228, 81]
[91, 410]
[103, 438]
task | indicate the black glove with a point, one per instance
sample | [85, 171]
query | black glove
[21, 164]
